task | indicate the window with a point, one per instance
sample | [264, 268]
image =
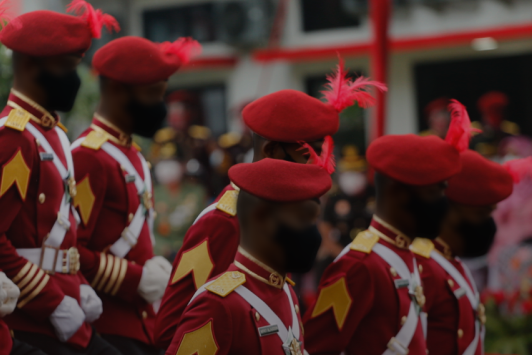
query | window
[331, 14]
[197, 21]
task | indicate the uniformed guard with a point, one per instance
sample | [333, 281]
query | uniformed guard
[455, 315]
[114, 188]
[251, 308]
[38, 226]
[371, 297]
[281, 122]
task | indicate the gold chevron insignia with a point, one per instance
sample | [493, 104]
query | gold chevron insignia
[196, 260]
[94, 140]
[199, 342]
[337, 297]
[364, 241]
[17, 172]
[84, 199]
[422, 246]
[227, 203]
[227, 283]
[18, 119]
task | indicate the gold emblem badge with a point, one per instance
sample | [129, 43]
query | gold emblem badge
[73, 256]
[72, 187]
[292, 345]
[47, 121]
[420, 296]
[147, 200]
[275, 280]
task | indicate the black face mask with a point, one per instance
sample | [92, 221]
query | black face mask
[478, 238]
[147, 119]
[429, 216]
[300, 245]
[61, 90]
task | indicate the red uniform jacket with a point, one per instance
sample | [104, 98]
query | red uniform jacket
[451, 321]
[208, 249]
[30, 196]
[229, 325]
[106, 202]
[6, 343]
[359, 308]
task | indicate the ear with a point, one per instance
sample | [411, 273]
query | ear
[271, 149]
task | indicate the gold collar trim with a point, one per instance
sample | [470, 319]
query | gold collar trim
[275, 279]
[400, 241]
[47, 120]
[235, 187]
[447, 252]
[120, 141]
[110, 124]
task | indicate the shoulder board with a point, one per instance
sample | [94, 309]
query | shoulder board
[227, 203]
[94, 140]
[227, 283]
[422, 246]
[18, 119]
[364, 241]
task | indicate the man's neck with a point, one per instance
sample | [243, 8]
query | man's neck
[269, 262]
[115, 117]
[32, 95]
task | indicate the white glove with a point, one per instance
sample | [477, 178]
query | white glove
[155, 277]
[91, 304]
[67, 318]
[9, 293]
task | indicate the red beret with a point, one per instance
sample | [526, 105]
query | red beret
[291, 116]
[138, 61]
[281, 181]
[481, 181]
[414, 160]
[46, 33]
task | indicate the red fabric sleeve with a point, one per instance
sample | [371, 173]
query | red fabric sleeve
[40, 291]
[222, 234]
[88, 165]
[322, 335]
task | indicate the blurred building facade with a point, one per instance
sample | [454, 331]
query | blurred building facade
[439, 48]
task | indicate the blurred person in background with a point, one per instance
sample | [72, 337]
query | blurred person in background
[437, 117]
[495, 127]
[115, 198]
[348, 208]
[178, 202]
[38, 225]
[281, 122]
[456, 318]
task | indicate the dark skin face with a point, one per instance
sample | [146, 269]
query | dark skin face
[116, 97]
[458, 214]
[28, 68]
[393, 197]
[258, 237]
[263, 148]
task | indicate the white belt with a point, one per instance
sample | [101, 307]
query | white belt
[399, 344]
[53, 260]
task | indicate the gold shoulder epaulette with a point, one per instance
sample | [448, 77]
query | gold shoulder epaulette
[422, 246]
[18, 119]
[364, 241]
[94, 140]
[227, 283]
[227, 203]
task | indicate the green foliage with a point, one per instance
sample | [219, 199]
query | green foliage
[6, 74]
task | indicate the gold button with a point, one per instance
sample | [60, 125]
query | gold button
[460, 333]
[420, 267]
[257, 316]
[144, 314]
[451, 283]
[42, 198]
[123, 168]
[393, 272]
[403, 320]
[38, 143]
[297, 308]
[149, 165]
[130, 217]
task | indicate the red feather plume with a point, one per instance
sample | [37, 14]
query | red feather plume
[185, 48]
[460, 129]
[96, 19]
[341, 92]
[326, 159]
[4, 16]
[519, 168]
